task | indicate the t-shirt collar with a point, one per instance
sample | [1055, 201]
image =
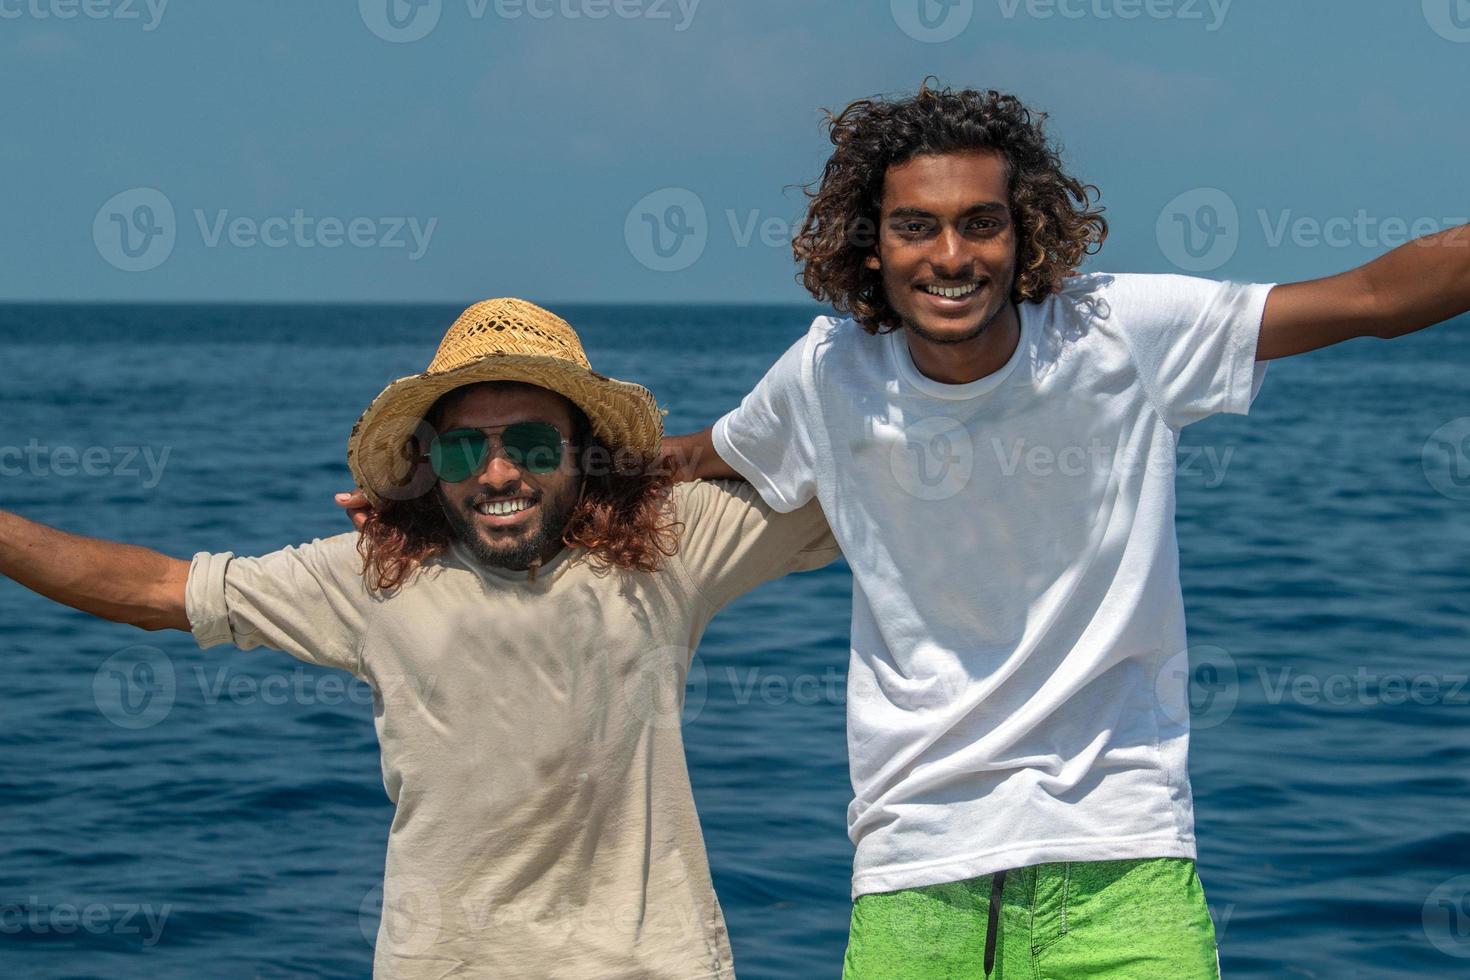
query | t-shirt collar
[903, 361]
[494, 573]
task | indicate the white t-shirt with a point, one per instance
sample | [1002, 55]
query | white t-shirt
[1018, 685]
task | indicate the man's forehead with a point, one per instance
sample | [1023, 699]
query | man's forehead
[968, 181]
[502, 403]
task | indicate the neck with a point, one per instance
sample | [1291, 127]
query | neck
[970, 359]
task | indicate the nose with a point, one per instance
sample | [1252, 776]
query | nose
[948, 255]
[499, 471]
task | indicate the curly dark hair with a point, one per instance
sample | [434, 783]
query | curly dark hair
[1057, 224]
[623, 518]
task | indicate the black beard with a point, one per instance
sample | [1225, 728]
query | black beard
[520, 555]
[965, 338]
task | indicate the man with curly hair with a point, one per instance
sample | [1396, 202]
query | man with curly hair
[992, 437]
[524, 601]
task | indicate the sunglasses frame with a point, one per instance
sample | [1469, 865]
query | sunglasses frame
[564, 443]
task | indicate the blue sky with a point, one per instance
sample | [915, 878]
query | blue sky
[533, 147]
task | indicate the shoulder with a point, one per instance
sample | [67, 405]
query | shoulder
[837, 349]
[699, 500]
[1103, 291]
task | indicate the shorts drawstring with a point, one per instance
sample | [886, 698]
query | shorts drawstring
[997, 885]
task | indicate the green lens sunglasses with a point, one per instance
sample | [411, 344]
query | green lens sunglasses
[459, 454]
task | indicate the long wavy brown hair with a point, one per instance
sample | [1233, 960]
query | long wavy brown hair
[623, 518]
[1057, 224]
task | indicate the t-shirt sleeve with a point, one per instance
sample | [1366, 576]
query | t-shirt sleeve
[309, 601]
[768, 440]
[733, 540]
[1193, 341]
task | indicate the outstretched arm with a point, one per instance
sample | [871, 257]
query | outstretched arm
[118, 582]
[1415, 286]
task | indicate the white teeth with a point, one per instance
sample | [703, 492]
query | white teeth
[952, 292]
[501, 508]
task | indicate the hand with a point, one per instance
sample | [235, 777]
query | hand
[357, 507]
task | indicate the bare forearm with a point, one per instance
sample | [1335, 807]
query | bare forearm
[118, 582]
[1422, 283]
[1415, 286]
[694, 458]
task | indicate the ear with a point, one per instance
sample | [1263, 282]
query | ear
[873, 262]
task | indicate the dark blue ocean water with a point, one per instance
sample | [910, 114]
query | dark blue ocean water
[1326, 547]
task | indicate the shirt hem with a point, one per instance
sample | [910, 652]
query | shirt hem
[1248, 374]
[1022, 856]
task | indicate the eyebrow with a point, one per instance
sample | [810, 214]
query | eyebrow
[989, 207]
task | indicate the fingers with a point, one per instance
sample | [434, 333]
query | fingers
[352, 501]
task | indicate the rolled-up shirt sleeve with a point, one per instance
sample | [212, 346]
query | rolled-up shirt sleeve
[310, 601]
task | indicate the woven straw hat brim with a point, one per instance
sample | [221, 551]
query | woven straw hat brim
[623, 415]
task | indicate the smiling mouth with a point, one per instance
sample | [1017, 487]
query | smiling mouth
[959, 291]
[504, 508]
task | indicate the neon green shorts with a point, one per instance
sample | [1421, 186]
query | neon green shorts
[1116, 920]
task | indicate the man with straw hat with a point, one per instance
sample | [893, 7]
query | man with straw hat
[524, 599]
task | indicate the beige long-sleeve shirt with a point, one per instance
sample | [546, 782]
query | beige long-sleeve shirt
[530, 736]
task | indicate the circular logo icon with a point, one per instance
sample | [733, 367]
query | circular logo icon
[1199, 230]
[1446, 917]
[933, 459]
[668, 687]
[667, 230]
[1450, 19]
[1198, 687]
[400, 21]
[1447, 459]
[135, 687]
[404, 914]
[932, 21]
[411, 476]
[135, 230]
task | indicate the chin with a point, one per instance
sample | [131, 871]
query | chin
[947, 331]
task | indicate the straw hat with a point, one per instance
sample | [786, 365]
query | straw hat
[496, 340]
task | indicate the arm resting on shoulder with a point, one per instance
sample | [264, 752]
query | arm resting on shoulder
[693, 457]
